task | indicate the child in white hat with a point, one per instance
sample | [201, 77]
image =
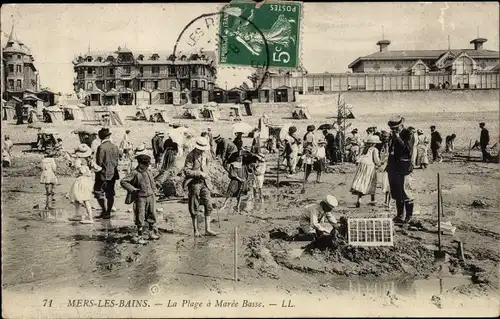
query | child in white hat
[259, 171]
[81, 190]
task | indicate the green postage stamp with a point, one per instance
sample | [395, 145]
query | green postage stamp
[268, 36]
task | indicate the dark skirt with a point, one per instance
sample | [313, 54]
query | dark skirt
[319, 165]
[168, 159]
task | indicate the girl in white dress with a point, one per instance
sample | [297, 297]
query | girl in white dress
[81, 190]
[260, 171]
[365, 178]
[49, 178]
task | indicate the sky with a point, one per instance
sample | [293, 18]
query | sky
[333, 34]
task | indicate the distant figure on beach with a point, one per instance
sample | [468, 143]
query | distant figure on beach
[484, 140]
[422, 159]
[436, 141]
[6, 154]
[450, 139]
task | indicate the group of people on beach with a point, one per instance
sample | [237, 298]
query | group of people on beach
[396, 153]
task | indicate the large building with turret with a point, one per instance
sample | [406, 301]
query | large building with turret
[19, 74]
[121, 76]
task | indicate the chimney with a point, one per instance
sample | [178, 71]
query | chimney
[478, 43]
[383, 44]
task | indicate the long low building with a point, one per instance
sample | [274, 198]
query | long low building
[385, 70]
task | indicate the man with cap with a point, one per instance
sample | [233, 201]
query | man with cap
[311, 219]
[399, 168]
[140, 188]
[157, 144]
[224, 148]
[107, 156]
[198, 184]
[436, 141]
[484, 140]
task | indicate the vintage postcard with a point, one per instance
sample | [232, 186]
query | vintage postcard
[250, 159]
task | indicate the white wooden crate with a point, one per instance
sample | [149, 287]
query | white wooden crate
[370, 231]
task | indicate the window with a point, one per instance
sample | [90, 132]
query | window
[111, 71]
[19, 57]
[90, 71]
[173, 84]
[156, 70]
[90, 86]
[463, 65]
[19, 68]
[155, 84]
[89, 59]
[140, 57]
[155, 57]
[126, 70]
[203, 84]
[110, 58]
[194, 84]
[126, 84]
[141, 84]
[19, 84]
[99, 59]
[11, 84]
[141, 70]
[11, 68]
[171, 69]
[99, 71]
[202, 70]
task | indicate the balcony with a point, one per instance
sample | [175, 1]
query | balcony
[15, 89]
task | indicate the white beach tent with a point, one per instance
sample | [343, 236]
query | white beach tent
[56, 114]
[75, 111]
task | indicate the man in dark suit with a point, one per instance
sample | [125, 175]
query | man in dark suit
[484, 140]
[399, 168]
[157, 144]
[107, 157]
[436, 141]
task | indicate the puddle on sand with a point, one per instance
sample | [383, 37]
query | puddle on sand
[402, 286]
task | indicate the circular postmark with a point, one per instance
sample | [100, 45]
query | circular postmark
[201, 33]
[154, 289]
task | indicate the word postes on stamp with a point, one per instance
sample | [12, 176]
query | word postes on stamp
[268, 34]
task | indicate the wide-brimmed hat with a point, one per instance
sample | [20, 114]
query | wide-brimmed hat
[373, 139]
[396, 121]
[292, 129]
[482, 124]
[311, 128]
[321, 142]
[161, 133]
[140, 148]
[83, 150]
[420, 131]
[217, 137]
[143, 159]
[331, 201]
[202, 144]
[104, 133]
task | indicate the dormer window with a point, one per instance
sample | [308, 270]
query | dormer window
[89, 59]
[183, 58]
[99, 59]
[110, 58]
[80, 59]
[140, 57]
[171, 57]
[155, 57]
[194, 57]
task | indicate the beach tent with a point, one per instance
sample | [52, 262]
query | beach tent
[55, 114]
[8, 113]
[143, 97]
[76, 114]
[114, 116]
[159, 115]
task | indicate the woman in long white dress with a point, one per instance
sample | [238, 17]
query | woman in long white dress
[422, 159]
[365, 178]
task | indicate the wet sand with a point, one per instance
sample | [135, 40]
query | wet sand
[49, 255]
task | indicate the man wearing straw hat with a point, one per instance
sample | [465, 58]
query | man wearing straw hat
[198, 184]
[107, 156]
[310, 221]
[399, 168]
